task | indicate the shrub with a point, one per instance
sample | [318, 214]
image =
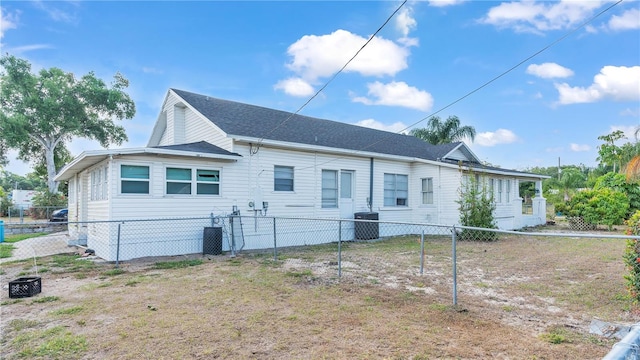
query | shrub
[631, 258]
[602, 206]
[476, 210]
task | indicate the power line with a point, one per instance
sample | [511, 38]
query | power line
[582, 25]
[512, 68]
[334, 75]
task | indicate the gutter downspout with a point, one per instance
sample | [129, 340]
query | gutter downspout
[371, 186]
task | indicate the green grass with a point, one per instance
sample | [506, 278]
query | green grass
[557, 335]
[178, 264]
[14, 238]
[113, 272]
[6, 250]
[52, 343]
[45, 299]
[68, 311]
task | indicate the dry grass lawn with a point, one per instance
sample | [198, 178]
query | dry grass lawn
[519, 298]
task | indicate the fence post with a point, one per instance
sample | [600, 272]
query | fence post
[455, 267]
[422, 253]
[275, 244]
[233, 240]
[118, 248]
[339, 248]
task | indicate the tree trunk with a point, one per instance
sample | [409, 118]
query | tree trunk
[51, 168]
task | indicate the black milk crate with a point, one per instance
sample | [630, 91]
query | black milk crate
[25, 287]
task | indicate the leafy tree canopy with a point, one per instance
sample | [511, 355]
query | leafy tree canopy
[439, 132]
[40, 112]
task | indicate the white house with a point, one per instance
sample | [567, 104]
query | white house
[210, 155]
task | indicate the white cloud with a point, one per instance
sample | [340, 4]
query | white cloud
[320, 56]
[554, 149]
[7, 21]
[396, 93]
[26, 48]
[579, 148]
[618, 83]
[629, 20]
[56, 13]
[537, 17]
[500, 136]
[630, 112]
[374, 124]
[151, 70]
[549, 71]
[295, 87]
[405, 21]
[628, 130]
[443, 3]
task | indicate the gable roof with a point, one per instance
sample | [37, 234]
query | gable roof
[261, 123]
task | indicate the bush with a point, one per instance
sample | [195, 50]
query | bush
[476, 210]
[632, 258]
[602, 206]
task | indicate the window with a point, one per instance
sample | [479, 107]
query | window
[492, 186]
[105, 183]
[499, 190]
[427, 191]
[99, 182]
[178, 181]
[283, 178]
[508, 192]
[208, 182]
[134, 179]
[396, 190]
[329, 189]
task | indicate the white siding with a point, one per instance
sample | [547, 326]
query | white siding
[457, 155]
[199, 129]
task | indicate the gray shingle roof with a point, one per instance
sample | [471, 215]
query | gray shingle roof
[199, 147]
[238, 119]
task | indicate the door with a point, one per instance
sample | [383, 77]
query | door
[346, 202]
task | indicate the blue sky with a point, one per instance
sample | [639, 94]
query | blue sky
[277, 54]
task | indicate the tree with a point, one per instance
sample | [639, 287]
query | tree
[570, 179]
[40, 112]
[609, 153]
[438, 132]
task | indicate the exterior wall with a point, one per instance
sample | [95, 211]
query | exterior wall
[186, 126]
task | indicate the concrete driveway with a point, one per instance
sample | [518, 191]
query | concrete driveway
[52, 244]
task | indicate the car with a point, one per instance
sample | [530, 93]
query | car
[61, 215]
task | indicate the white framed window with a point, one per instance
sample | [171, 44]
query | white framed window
[183, 181]
[134, 179]
[282, 178]
[99, 183]
[492, 186]
[427, 191]
[178, 181]
[207, 182]
[105, 183]
[499, 190]
[329, 189]
[508, 191]
[396, 190]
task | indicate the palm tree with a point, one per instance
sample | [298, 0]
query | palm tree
[438, 132]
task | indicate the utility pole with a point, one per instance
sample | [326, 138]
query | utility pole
[559, 171]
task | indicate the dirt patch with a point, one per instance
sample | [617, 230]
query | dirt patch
[510, 292]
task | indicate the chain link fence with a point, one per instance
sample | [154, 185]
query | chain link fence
[515, 269]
